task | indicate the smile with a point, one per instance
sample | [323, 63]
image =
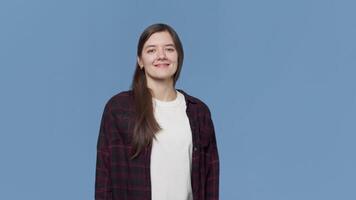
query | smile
[161, 65]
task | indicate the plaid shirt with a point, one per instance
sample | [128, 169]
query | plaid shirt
[119, 178]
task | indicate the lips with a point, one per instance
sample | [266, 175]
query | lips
[162, 65]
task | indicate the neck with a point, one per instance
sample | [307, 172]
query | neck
[163, 91]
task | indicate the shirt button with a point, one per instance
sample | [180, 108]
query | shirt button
[195, 148]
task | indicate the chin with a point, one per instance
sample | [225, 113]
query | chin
[162, 77]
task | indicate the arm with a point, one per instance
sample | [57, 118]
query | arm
[103, 171]
[212, 179]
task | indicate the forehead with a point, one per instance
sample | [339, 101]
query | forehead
[159, 38]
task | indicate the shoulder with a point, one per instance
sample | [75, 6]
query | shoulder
[122, 101]
[195, 102]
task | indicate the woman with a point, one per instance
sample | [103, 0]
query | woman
[157, 142]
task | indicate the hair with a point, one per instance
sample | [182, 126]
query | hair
[145, 124]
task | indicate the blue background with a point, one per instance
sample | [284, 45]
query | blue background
[278, 76]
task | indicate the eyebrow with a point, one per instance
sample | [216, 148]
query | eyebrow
[167, 45]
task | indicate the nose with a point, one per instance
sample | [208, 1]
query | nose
[161, 53]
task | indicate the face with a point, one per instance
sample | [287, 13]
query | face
[159, 57]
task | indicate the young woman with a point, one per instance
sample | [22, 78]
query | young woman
[157, 142]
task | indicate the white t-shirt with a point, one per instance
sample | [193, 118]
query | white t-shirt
[171, 157]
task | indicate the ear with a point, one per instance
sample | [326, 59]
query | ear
[139, 62]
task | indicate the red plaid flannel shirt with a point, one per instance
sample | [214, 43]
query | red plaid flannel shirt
[119, 178]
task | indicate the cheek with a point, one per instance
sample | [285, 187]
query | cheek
[146, 59]
[174, 58]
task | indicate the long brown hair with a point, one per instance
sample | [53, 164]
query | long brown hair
[145, 125]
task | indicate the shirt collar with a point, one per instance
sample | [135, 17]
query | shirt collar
[188, 98]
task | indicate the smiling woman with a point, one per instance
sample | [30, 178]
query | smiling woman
[159, 59]
[157, 142]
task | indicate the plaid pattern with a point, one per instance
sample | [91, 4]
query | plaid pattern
[119, 178]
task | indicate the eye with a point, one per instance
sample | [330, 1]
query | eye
[170, 49]
[151, 50]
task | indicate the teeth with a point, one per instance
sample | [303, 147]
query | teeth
[162, 65]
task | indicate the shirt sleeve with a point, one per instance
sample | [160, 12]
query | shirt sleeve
[212, 184]
[103, 172]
